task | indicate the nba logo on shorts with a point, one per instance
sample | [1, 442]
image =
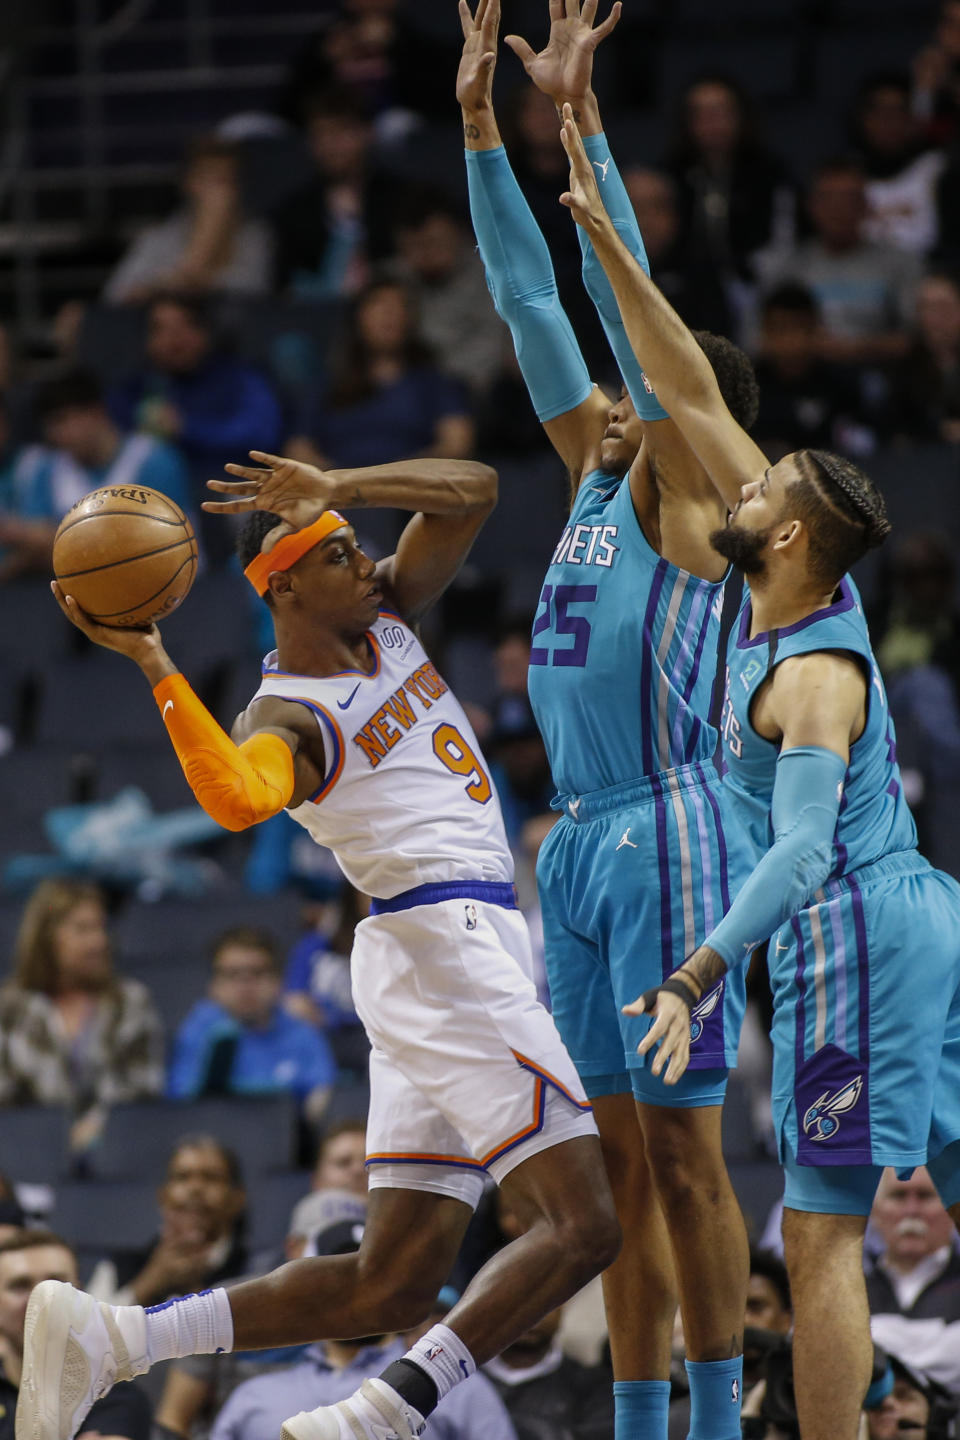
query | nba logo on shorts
[471, 914]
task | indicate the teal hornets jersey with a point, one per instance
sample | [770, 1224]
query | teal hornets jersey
[624, 654]
[874, 820]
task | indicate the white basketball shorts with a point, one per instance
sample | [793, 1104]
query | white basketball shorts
[468, 1074]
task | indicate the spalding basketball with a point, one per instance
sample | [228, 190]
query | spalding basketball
[127, 555]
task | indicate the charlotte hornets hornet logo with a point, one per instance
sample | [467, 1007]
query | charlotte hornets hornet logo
[703, 1010]
[821, 1118]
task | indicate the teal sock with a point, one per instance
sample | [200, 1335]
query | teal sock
[715, 1387]
[640, 1409]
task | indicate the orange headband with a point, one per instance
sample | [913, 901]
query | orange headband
[290, 549]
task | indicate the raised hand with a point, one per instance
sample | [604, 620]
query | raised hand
[140, 644]
[583, 197]
[292, 489]
[564, 68]
[475, 75]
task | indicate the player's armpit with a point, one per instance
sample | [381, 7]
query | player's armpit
[237, 785]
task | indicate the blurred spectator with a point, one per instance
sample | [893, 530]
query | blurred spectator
[201, 1239]
[207, 245]
[936, 77]
[318, 1212]
[769, 1305]
[84, 449]
[865, 291]
[514, 745]
[241, 1041]
[507, 423]
[281, 854]
[213, 407]
[734, 193]
[925, 385]
[71, 1031]
[915, 1403]
[25, 1261]
[548, 1395]
[913, 1287]
[696, 291]
[330, 232]
[317, 985]
[922, 624]
[804, 400]
[332, 1370]
[341, 1159]
[12, 1216]
[901, 169]
[439, 261]
[532, 835]
[388, 401]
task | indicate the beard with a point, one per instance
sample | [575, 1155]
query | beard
[743, 548]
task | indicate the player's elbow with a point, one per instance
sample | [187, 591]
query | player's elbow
[484, 485]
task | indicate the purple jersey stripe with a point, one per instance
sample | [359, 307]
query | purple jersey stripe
[646, 664]
[663, 860]
[698, 653]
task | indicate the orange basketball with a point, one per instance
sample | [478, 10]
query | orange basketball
[128, 555]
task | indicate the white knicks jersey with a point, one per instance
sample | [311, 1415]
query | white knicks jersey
[406, 798]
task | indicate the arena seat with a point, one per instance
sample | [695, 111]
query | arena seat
[271, 1199]
[33, 1143]
[95, 700]
[758, 1185]
[180, 932]
[139, 1137]
[101, 1217]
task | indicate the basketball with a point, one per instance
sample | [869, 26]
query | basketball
[127, 555]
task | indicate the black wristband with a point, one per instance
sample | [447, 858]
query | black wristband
[671, 987]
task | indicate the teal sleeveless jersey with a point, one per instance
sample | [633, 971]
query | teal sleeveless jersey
[874, 820]
[624, 654]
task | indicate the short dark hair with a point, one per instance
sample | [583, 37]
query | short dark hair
[792, 296]
[255, 527]
[348, 1125]
[772, 1268]
[842, 510]
[199, 1141]
[837, 165]
[198, 308]
[735, 376]
[33, 1239]
[249, 937]
[77, 389]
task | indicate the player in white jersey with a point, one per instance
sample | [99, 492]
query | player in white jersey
[355, 733]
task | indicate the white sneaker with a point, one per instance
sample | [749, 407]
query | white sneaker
[73, 1352]
[374, 1412]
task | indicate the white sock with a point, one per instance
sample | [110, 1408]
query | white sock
[191, 1325]
[444, 1357]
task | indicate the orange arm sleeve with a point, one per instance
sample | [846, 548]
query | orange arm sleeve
[237, 785]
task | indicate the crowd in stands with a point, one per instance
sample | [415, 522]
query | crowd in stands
[323, 304]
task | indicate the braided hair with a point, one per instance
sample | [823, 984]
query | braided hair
[842, 510]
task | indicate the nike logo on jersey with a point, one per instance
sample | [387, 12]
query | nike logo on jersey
[625, 839]
[168, 706]
[345, 704]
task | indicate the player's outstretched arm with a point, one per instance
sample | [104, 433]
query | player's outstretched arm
[451, 498]
[815, 708]
[517, 261]
[237, 785]
[677, 368]
[563, 70]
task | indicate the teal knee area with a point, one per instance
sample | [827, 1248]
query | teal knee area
[715, 1387]
[640, 1409]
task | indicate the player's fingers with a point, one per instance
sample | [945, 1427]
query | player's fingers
[573, 9]
[230, 507]
[610, 24]
[556, 10]
[466, 19]
[265, 459]
[654, 1035]
[524, 52]
[237, 488]
[589, 11]
[479, 14]
[636, 1007]
[248, 472]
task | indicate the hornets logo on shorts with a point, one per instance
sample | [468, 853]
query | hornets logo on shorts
[821, 1118]
[702, 1010]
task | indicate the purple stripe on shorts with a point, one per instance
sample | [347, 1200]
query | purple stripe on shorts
[800, 1009]
[663, 859]
[863, 970]
[721, 839]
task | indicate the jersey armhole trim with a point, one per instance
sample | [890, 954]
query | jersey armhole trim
[334, 769]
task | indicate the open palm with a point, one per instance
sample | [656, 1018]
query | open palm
[477, 61]
[564, 68]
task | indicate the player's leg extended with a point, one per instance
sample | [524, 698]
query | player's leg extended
[832, 1349]
[75, 1347]
[710, 1252]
